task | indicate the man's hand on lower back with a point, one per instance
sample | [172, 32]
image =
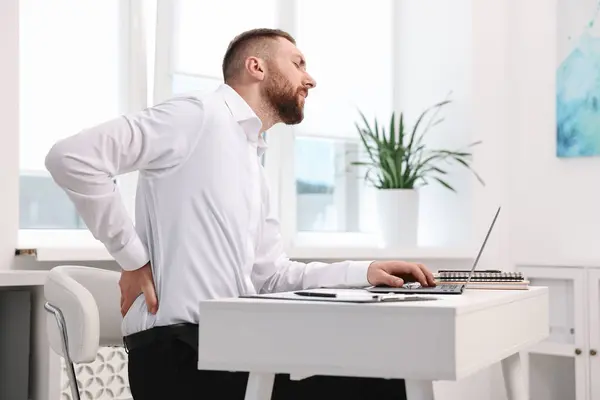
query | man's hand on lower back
[396, 273]
[134, 283]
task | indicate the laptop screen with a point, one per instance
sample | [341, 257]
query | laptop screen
[483, 245]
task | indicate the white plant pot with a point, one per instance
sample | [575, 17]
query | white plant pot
[398, 211]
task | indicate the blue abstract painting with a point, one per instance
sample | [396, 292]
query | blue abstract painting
[578, 79]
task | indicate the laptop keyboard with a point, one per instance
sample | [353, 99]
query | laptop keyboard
[443, 287]
[415, 287]
[448, 287]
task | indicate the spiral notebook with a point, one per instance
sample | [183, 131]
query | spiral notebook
[490, 279]
[479, 276]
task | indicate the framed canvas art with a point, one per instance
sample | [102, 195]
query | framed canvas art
[578, 78]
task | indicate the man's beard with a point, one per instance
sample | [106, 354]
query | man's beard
[284, 99]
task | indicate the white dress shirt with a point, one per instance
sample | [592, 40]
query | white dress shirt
[203, 217]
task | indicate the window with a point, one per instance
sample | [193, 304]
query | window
[73, 81]
[352, 68]
[193, 37]
[328, 190]
[70, 79]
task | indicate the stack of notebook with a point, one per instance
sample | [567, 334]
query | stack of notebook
[489, 279]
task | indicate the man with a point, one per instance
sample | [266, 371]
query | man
[204, 225]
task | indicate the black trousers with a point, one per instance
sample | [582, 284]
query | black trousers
[167, 369]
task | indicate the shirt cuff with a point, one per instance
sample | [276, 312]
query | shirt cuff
[356, 275]
[132, 256]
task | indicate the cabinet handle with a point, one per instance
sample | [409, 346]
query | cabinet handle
[578, 351]
[593, 352]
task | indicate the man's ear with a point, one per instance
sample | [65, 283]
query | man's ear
[255, 67]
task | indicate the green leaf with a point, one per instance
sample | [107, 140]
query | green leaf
[393, 132]
[365, 121]
[437, 122]
[391, 165]
[420, 119]
[444, 183]
[463, 162]
[381, 138]
[362, 163]
[367, 146]
[399, 161]
[369, 178]
[454, 153]
[401, 131]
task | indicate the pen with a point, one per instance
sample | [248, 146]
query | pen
[341, 296]
[315, 294]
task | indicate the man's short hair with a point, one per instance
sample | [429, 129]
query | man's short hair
[254, 42]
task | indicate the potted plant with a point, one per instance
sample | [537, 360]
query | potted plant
[398, 162]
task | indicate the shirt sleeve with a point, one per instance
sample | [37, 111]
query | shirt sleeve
[153, 141]
[273, 271]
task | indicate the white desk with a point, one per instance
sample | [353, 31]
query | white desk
[422, 342]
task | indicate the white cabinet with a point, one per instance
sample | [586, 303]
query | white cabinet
[593, 276]
[567, 365]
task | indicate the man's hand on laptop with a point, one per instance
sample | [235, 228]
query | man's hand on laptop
[396, 273]
[134, 283]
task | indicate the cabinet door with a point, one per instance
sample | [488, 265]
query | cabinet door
[594, 325]
[564, 352]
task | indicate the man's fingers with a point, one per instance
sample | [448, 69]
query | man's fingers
[428, 274]
[151, 300]
[393, 281]
[125, 306]
[418, 274]
[122, 300]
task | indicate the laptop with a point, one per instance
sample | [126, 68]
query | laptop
[444, 288]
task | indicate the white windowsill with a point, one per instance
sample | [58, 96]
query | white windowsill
[61, 245]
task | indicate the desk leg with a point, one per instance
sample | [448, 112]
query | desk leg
[514, 378]
[419, 390]
[260, 386]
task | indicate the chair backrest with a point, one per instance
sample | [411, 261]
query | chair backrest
[89, 300]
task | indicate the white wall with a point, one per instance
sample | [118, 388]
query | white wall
[551, 210]
[491, 88]
[556, 203]
[9, 115]
[551, 206]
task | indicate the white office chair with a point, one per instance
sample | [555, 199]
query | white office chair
[84, 314]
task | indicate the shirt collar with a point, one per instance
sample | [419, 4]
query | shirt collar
[245, 116]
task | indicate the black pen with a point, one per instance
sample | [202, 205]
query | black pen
[316, 294]
[342, 296]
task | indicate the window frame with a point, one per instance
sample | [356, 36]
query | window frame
[347, 189]
[133, 90]
[298, 242]
[279, 160]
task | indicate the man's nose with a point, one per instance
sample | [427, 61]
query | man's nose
[310, 82]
